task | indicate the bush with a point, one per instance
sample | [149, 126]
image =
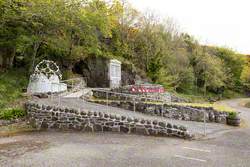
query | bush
[9, 114]
[247, 105]
[232, 115]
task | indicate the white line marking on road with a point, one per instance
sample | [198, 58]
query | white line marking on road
[190, 158]
[197, 149]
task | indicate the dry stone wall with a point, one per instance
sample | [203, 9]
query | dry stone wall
[51, 117]
[172, 111]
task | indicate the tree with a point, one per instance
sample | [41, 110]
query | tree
[245, 76]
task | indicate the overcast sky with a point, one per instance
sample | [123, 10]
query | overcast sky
[219, 22]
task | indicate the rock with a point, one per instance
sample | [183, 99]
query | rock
[112, 116]
[44, 125]
[155, 122]
[130, 119]
[106, 115]
[169, 125]
[124, 129]
[183, 128]
[141, 130]
[101, 115]
[162, 124]
[83, 113]
[118, 118]
[136, 120]
[90, 113]
[98, 127]
[123, 118]
[143, 121]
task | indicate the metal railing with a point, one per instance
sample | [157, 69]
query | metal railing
[135, 99]
[143, 98]
[74, 84]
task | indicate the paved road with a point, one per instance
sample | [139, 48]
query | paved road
[230, 149]
[196, 128]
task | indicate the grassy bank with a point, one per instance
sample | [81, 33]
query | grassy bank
[200, 98]
[12, 84]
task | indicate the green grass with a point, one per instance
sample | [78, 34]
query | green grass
[9, 114]
[11, 85]
[217, 107]
[220, 108]
[198, 97]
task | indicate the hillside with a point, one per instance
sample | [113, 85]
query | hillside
[73, 32]
[12, 84]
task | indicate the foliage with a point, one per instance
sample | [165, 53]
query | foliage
[245, 75]
[11, 85]
[9, 114]
[69, 31]
[232, 115]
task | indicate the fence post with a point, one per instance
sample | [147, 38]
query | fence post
[51, 98]
[107, 99]
[162, 108]
[59, 97]
[204, 113]
[134, 104]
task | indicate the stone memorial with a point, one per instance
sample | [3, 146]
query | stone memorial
[46, 79]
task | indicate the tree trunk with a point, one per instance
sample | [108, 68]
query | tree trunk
[11, 59]
[35, 49]
[205, 88]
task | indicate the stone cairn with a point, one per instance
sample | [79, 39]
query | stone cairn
[48, 117]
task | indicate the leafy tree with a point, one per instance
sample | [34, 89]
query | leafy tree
[245, 76]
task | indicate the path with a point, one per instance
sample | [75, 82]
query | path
[194, 127]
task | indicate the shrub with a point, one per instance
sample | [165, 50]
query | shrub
[247, 105]
[9, 114]
[232, 115]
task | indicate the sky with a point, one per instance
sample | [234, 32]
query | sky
[224, 23]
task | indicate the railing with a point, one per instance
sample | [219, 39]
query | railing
[134, 99]
[140, 98]
[75, 83]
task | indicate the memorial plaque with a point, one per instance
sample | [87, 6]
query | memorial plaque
[115, 73]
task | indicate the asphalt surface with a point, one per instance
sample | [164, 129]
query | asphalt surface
[229, 149]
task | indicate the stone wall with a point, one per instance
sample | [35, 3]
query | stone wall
[48, 117]
[113, 96]
[172, 111]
